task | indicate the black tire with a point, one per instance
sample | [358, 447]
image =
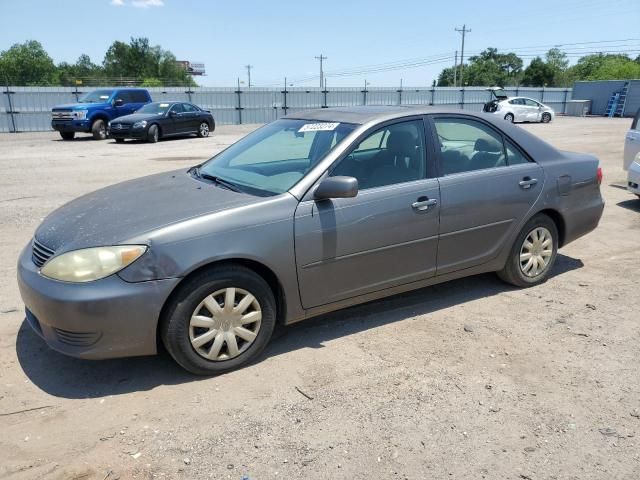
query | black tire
[99, 129]
[153, 134]
[174, 325]
[546, 117]
[67, 135]
[513, 271]
[509, 117]
[203, 129]
[119, 140]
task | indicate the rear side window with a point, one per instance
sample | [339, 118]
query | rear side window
[124, 96]
[189, 108]
[514, 157]
[531, 103]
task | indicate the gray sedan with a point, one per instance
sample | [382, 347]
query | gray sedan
[315, 212]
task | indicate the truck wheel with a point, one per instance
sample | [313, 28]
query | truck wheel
[99, 129]
[153, 135]
[67, 135]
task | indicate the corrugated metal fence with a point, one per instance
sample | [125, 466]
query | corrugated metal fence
[27, 109]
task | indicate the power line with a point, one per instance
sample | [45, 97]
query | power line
[463, 32]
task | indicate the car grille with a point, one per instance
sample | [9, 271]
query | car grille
[118, 127]
[39, 253]
[62, 115]
[77, 339]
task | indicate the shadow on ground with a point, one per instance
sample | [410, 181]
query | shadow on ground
[633, 204]
[68, 377]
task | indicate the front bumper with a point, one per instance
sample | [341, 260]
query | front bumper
[633, 179]
[137, 133]
[71, 125]
[106, 318]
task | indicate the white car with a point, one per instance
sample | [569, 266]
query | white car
[632, 155]
[518, 109]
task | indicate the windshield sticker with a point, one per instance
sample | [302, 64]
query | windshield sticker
[104, 97]
[164, 105]
[318, 127]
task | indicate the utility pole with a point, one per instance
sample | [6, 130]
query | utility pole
[463, 32]
[321, 58]
[455, 69]
[248, 67]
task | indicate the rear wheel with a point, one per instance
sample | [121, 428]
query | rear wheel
[219, 320]
[546, 117]
[119, 140]
[509, 117]
[99, 129]
[533, 253]
[203, 130]
[67, 135]
[153, 135]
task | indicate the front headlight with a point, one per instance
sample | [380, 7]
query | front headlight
[80, 114]
[140, 124]
[91, 264]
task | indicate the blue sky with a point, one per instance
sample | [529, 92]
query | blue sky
[281, 38]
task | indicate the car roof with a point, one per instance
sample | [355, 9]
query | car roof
[365, 114]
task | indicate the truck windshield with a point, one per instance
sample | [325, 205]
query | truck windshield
[275, 157]
[98, 96]
[155, 108]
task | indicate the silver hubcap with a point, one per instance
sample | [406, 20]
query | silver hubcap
[225, 324]
[204, 129]
[536, 252]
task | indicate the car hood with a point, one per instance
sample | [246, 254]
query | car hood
[80, 106]
[126, 210]
[136, 117]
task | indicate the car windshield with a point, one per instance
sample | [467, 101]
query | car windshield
[155, 108]
[275, 157]
[99, 96]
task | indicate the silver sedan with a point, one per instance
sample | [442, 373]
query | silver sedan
[312, 213]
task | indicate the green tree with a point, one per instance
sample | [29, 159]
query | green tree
[27, 64]
[489, 68]
[605, 67]
[539, 74]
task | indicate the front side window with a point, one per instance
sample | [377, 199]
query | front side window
[177, 108]
[468, 145]
[275, 157]
[390, 155]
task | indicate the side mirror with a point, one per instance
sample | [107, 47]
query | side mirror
[336, 187]
[173, 113]
[119, 102]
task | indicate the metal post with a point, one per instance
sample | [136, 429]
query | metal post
[239, 107]
[400, 94]
[455, 69]
[542, 95]
[284, 95]
[76, 91]
[364, 94]
[8, 93]
[461, 97]
[433, 92]
[324, 94]
[564, 103]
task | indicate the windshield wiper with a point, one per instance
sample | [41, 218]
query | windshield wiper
[224, 183]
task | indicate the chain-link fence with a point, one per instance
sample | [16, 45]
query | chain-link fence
[27, 109]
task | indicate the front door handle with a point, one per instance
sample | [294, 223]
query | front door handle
[528, 182]
[424, 203]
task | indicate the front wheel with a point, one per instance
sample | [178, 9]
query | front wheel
[219, 320]
[546, 117]
[203, 130]
[67, 135]
[153, 135]
[99, 129]
[533, 253]
[509, 117]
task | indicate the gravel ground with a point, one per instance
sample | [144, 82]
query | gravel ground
[542, 383]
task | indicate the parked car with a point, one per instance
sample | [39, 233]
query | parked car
[162, 119]
[518, 109]
[93, 111]
[631, 161]
[317, 211]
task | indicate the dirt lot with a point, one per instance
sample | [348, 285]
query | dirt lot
[545, 386]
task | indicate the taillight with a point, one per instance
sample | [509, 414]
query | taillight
[599, 176]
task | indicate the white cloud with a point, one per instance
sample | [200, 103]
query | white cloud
[147, 3]
[117, 3]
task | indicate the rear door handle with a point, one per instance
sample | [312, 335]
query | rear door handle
[424, 203]
[527, 182]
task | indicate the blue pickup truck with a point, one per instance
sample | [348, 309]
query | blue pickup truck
[93, 112]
